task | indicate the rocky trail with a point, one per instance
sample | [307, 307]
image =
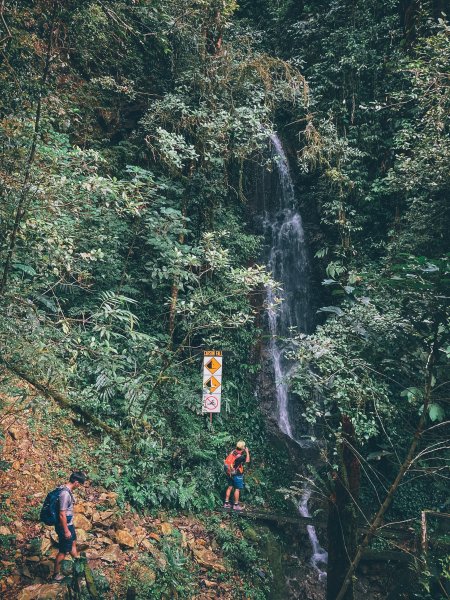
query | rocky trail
[126, 551]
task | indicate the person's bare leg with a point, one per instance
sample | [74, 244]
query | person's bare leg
[228, 493]
[236, 496]
[74, 551]
[58, 560]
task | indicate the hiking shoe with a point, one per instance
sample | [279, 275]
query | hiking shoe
[237, 507]
[58, 577]
[227, 505]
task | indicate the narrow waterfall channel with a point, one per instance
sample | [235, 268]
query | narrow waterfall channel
[288, 262]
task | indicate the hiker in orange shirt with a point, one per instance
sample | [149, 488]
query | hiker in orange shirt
[234, 469]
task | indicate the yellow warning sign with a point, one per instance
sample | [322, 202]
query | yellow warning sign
[212, 384]
[213, 365]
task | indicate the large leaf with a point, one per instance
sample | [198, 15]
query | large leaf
[25, 268]
[436, 412]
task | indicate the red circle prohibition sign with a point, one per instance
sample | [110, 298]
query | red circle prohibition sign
[210, 403]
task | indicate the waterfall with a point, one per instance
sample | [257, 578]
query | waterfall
[289, 265]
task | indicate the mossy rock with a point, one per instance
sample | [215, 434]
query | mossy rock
[272, 551]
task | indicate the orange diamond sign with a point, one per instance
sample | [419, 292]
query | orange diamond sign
[213, 365]
[212, 384]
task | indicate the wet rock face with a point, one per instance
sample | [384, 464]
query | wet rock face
[266, 392]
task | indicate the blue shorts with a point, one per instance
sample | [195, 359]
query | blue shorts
[236, 481]
[64, 544]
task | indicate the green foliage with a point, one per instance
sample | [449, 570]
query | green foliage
[170, 575]
[127, 243]
[243, 555]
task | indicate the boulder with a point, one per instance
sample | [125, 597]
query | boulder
[140, 533]
[206, 558]
[84, 508]
[44, 591]
[53, 536]
[146, 544]
[124, 538]
[103, 519]
[33, 559]
[82, 536]
[111, 554]
[46, 544]
[81, 522]
[101, 539]
[82, 539]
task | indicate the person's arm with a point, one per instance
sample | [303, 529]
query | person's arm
[64, 501]
[63, 521]
[243, 458]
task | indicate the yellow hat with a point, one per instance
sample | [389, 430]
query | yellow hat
[240, 445]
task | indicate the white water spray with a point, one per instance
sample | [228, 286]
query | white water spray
[288, 262]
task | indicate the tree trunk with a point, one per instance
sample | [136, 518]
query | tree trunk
[342, 524]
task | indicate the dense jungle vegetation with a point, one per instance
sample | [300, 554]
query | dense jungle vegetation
[130, 131]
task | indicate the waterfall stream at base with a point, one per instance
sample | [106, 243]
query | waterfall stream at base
[288, 263]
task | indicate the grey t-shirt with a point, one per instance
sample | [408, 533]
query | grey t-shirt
[66, 502]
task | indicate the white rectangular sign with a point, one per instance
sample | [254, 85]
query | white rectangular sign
[211, 403]
[212, 381]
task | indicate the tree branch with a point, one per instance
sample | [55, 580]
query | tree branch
[402, 471]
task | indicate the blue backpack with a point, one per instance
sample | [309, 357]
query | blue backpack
[50, 509]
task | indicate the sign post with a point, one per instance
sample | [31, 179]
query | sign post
[212, 382]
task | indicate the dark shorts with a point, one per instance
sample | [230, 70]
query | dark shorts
[65, 545]
[237, 481]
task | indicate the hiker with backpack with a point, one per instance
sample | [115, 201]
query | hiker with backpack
[58, 510]
[234, 470]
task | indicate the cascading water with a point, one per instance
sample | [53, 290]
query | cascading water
[289, 265]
